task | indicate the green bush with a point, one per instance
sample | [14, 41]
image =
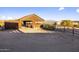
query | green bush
[1, 24]
[48, 27]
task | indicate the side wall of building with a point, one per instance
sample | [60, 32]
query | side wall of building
[11, 25]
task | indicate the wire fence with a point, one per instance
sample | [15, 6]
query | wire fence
[73, 30]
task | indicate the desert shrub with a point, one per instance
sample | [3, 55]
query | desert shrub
[67, 23]
[1, 24]
[48, 27]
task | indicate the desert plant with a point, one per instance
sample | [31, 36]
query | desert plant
[1, 24]
[48, 27]
[67, 23]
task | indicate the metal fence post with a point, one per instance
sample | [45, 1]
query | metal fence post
[64, 29]
[73, 31]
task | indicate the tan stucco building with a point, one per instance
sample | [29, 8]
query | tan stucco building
[29, 21]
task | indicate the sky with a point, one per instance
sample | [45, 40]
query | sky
[48, 13]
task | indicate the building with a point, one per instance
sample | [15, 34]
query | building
[29, 21]
[11, 24]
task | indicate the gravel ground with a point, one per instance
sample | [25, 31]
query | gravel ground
[38, 42]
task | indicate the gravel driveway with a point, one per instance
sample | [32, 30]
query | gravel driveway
[38, 42]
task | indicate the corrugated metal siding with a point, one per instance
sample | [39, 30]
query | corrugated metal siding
[11, 25]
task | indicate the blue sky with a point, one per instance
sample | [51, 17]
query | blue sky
[48, 13]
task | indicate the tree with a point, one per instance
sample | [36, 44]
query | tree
[66, 23]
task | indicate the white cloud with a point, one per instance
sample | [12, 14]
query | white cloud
[9, 17]
[61, 8]
[77, 10]
[2, 17]
[6, 18]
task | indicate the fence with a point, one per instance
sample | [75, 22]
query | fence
[73, 30]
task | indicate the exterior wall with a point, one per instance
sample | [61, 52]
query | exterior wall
[19, 23]
[33, 24]
[38, 24]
